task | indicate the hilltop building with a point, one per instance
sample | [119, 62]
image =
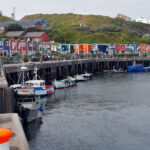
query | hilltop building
[37, 36]
[126, 18]
[39, 24]
[0, 12]
[143, 20]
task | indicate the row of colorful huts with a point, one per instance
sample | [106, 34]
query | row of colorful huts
[24, 47]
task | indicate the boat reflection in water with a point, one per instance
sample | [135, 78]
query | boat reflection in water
[31, 129]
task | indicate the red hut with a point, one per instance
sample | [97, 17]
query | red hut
[19, 46]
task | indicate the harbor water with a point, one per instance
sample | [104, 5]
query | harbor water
[109, 112]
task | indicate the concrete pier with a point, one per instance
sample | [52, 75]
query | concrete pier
[12, 122]
[6, 100]
[50, 70]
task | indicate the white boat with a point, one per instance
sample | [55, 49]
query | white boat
[117, 70]
[87, 75]
[40, 89]
[83, 77]
[80, 78]
[33, 87]
[64, 83]
[21, 89]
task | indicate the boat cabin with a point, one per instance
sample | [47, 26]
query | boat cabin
[35, 83]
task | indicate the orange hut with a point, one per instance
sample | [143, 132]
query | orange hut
[87, 48]
[78, 48]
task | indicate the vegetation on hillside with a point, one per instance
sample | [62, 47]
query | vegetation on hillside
[13, 27]
[72, 28]
[4, 19]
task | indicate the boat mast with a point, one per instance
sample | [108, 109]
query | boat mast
[23, 69]
[23, 78]
[35, 71]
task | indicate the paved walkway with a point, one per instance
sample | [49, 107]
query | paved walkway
[11, 121]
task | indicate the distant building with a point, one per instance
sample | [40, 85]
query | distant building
[14, 33]
[39, 24]
[0, 13]
[143, 20]
[13, 14]
[37, 36]
[124, 17]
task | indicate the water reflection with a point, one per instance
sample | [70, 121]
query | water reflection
[32, 129]
[109, 112]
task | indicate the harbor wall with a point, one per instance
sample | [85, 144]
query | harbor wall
[6, 97]
[50, 70]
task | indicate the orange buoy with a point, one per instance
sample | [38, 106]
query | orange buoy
[5, 135]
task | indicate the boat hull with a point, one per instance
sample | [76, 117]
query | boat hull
[63, 84]
[138, 68]
[44, 92]
[28, 109]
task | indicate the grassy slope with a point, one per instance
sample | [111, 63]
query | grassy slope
[66, 28]
[4, 19]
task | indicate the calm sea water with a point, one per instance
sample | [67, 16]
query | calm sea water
[110, 112]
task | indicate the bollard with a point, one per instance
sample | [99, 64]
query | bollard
[5, 135]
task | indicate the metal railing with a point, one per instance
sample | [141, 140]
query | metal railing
[16, 60]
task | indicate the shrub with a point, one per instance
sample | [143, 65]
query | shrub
[110, 28]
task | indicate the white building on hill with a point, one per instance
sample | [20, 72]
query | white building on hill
[143, 20]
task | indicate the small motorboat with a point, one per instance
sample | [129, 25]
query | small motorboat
[83, 77]
[80, 78]
[138, 68]
[64, 83]
[120, 70]
[87, 75]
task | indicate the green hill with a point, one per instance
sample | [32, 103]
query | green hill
[5, 18]
[73, 28]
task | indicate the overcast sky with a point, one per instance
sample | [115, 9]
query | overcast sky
[131, 8]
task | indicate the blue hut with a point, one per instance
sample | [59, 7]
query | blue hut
[1, 45]
[103, 48]
[71, 48]
[6, 43]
